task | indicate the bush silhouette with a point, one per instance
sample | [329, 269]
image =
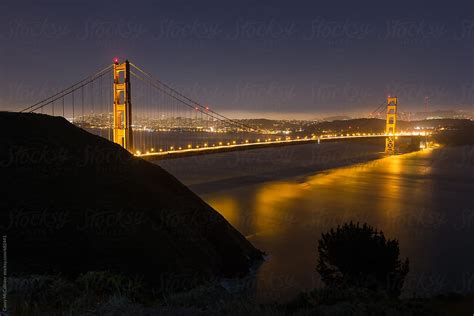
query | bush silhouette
[360, 256]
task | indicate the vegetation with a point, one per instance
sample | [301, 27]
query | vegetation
[360, 256]
[360, 267]
[56, 295]
[105, 293]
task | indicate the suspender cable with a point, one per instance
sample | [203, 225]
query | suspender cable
[184, 102]
[190, 100]
[73, 106]
[58, 96]
[68, 88]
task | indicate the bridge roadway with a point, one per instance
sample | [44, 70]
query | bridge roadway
[205, 150]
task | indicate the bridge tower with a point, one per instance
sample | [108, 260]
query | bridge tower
[392, 103]
[122, 106]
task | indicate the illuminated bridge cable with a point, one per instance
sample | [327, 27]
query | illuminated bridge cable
[182, 101]
[48, 100]
[379, 109]
[236, 124]
[191, 100]
[165, 92]
[194, 102]
[64, 93]
[73, 106]
[223, 118]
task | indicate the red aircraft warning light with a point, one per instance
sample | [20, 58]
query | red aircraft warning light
[116, 60]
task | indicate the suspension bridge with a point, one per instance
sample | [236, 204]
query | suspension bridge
[165, 123]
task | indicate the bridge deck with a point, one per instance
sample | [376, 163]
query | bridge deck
[266, 144]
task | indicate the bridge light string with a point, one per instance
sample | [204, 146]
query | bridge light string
[270, 141]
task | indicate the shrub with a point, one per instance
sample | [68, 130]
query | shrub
[106, 283]
[55, 295]
[360, 256]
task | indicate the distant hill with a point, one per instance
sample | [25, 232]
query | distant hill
[442, 114]
[74, 202]
[342, 124]
[378, 125]
[337, 118]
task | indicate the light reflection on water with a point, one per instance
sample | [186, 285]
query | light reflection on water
[423, 201]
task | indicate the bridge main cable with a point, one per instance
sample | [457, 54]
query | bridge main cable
[68, 90]
[193, 101]
[153, 84]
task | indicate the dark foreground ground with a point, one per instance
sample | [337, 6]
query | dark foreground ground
[94, 231]
[102, 293]
[73, 202]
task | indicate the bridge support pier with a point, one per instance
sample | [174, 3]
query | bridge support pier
[392, 103]
[122, 110]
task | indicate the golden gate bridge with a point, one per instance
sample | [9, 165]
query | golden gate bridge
[102, 104]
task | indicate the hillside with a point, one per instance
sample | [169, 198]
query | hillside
[378, 125]
[74, 202]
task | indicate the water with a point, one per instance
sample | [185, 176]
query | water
[423, 199]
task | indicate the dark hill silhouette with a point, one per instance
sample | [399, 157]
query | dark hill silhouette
[74, 202]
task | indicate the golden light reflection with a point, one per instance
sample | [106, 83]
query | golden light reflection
[227, 207]
[375, 191]
[271, 214]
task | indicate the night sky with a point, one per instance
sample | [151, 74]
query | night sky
[294, 59]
